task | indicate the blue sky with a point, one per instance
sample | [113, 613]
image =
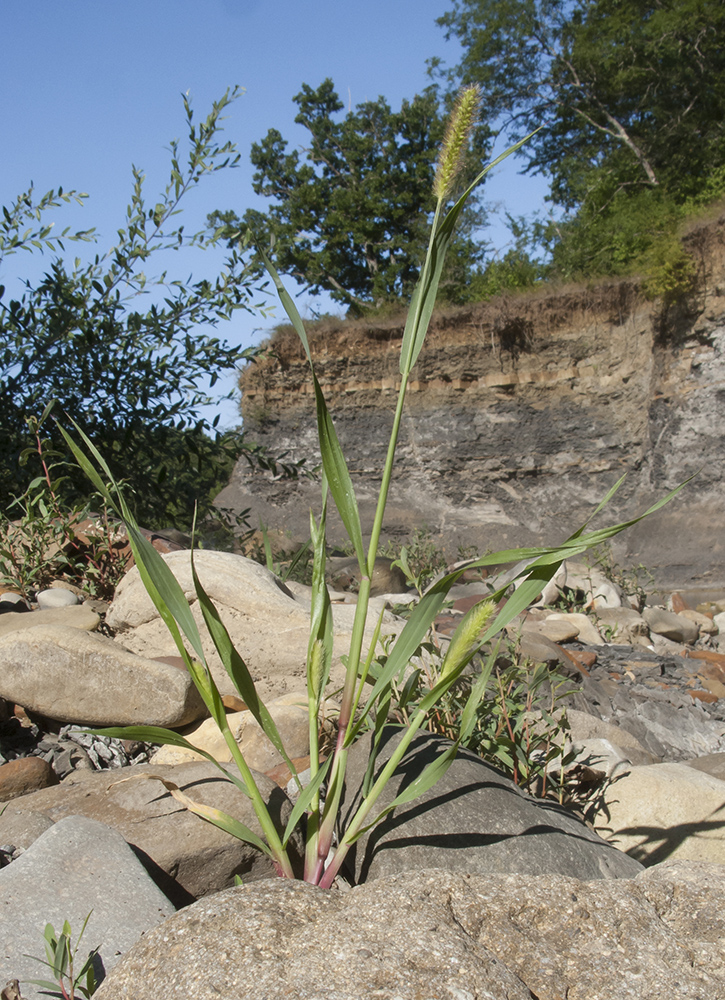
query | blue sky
[88, 88]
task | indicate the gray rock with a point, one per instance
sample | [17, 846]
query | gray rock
[670, 726]
[75, 676]
[473, 820]
[670, 625]
[583, 726]
[55, 597]
[199, 856]
[10, 601]
[604, 757]
[443, 935]
[77, 867]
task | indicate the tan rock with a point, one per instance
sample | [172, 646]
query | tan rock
[26, 774]
[665, 811]
[557, 631]
[599, 591]
[267, 625]
[677, 628]
[290, 716]
[587, 631]
[75, 676]
[206, 736]
[535, 646]
[625, 625]
[705, 624]
[78, 616]
[443, 935]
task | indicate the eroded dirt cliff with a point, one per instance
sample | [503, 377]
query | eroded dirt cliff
[522, 412]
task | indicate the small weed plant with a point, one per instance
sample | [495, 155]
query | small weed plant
[516, 726]
[41, 540]
[69, 982]
[421, 559]
[367, 695]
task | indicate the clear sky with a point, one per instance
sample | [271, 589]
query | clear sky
[88, 88]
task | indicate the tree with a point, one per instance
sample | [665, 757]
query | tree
[631, 94]
[351, 214]
[133, 377]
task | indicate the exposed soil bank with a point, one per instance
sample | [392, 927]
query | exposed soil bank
[521, 414]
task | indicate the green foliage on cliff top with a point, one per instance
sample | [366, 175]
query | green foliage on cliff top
[631, 94]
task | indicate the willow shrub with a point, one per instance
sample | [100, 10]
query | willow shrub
[363, 705]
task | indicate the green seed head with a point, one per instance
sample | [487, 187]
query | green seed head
[460, 124]
[466, 636]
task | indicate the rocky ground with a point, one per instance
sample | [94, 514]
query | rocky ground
[85, 829]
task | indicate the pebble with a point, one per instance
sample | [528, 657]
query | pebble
[23, 775]
[56, 597]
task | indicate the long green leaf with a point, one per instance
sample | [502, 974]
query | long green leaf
[161, 584]
[287, 302]
[303, 800]
[338, 474]
[478, 692]
[382, 710]
[407, 643]
[153, 734]
[321, 622]
[333, 459]
[237, 668]
[218, 818]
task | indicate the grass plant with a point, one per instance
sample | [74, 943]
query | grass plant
[367, 694]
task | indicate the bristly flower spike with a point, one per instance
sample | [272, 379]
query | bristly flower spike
[466, 636]
[462, 119]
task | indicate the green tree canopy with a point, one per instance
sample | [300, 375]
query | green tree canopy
[351, 210]
[632, 97]
[133, 375]
[633, 88]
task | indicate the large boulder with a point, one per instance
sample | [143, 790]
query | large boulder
[268, 625]
[76, 868]
[473, 820]
[443, 935]
[200, 857]
[663, 811]
[76, 676]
